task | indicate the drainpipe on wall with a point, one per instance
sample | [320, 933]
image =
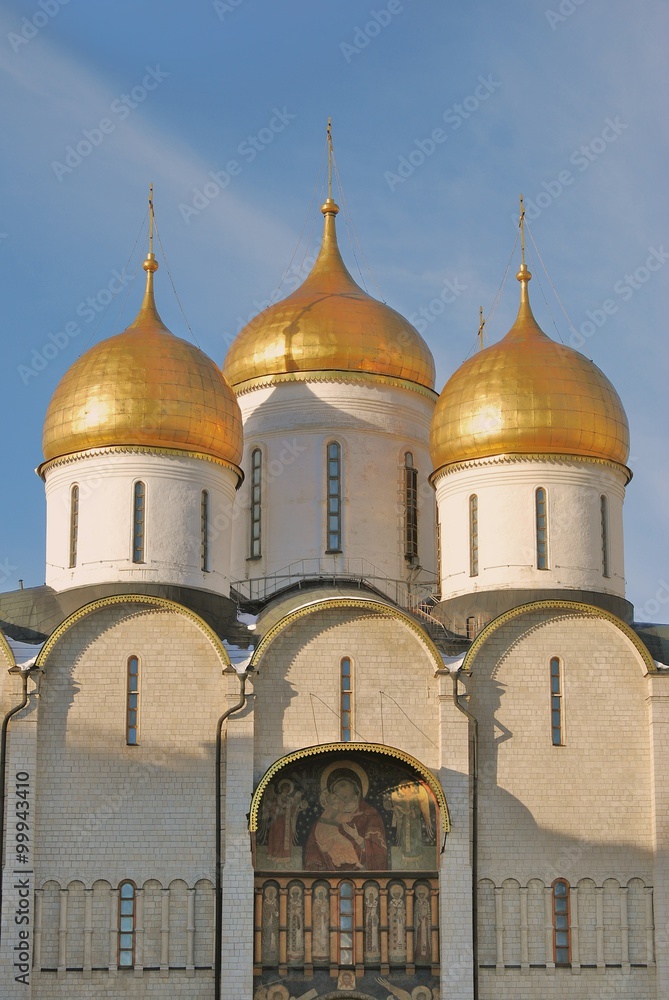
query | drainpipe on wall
[3, 763]
[474, 777]
[218, 928]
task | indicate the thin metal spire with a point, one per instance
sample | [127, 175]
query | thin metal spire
[330, 155]
[150, 218]
[480, 333]
[521, 223]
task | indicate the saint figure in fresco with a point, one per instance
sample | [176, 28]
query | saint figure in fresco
[281, 809]
[349, 834]
[410, 803]
[422, 913]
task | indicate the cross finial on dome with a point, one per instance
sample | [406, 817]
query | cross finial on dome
[524, 274]
[148, 308]
[329, 207]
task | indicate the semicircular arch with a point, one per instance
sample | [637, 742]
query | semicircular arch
[589, 610]
[325, 748]
[160, 603]
[320, 604]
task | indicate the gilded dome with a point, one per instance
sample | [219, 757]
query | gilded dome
[144, 387]
[329, 325]
[528, 395]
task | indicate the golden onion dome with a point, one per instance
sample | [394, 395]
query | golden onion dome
[329, 324]
[144, 387]
[528, 395]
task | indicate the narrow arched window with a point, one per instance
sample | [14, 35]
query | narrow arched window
[471, 627]
[334, 497]
[138, 522]
[473, 535]
[204, 531]
[604, 514]
[346, 923]
[346, 693]
[255, 549]
[410, 508]
[126, 924]
[74, 524]
[541, 517]
[132, 703]
[561, 929]
[557, 703]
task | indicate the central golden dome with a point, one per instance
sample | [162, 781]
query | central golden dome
[528, 395]
[144, 387]
[329, 325]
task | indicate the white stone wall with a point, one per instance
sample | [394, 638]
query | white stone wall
[507, 551]
[172, 554]
[579, 810]
[395, 692]
[292, 424]
[112, 811]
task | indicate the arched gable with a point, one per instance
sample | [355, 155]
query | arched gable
[145, 599]
[273, 772]
[364, 604]
[588, 610]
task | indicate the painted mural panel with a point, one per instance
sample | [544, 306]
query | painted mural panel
[346, 813]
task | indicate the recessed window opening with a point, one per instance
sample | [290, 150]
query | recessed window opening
[473, 535]
[256, 504]
[410, 508]
[557, 703]
[346, 923]
[132, 702]
[346, 693]
[561, 929]
[204, 531]
[74, 524]
[334, 497]
[604, 513]
[127, 925]
[138, 522]
[541, 515]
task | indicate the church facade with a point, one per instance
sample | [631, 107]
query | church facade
[333, 689]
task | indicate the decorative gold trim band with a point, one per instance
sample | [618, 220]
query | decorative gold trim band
[345, 602]
[263, 381]
[323, 748]
[4, 645]
[590, 610]
[158, 602]
[508, 459]
[134, 449]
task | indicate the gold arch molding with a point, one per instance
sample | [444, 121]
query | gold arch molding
[385, 610]
[589, 610]
[7, 649]
[343, 748]
[161, 603]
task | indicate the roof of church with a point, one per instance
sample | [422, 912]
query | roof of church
[328, 325]
[32, 614]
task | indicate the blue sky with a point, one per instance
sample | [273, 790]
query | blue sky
[442, 114]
